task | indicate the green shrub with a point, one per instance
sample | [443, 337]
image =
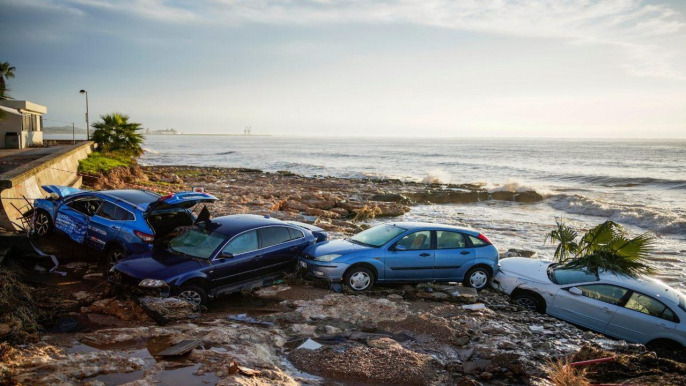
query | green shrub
[98, 163]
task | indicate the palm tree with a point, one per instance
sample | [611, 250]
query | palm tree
[116, 133]
[6, 72]
[606, 247]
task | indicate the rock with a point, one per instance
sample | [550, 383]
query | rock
[4, 330]
[395, 297]
[167, 309]
[330, 330]
[94, 277]
[303, 329]
[122, 309]
[174, 179]
[470, 367]
[383, 343]
[485, 376]
[512, 252]
[390, 197]
[105, 320]
[83, 297]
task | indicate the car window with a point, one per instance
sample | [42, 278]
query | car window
[198, 242]
[243, 243]
[87, 206]
[296, 234]
[450, 240]
[647, 305]
[604, 292]
[477, 242]
[416, 241]
[274, 236]
[378, 235]
[571, 276]
[113, 212]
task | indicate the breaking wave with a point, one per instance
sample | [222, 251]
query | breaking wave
[145, 149]
[516, 187]
[626, 182]
[655, 219]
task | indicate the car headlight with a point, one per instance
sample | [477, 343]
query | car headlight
[152, 283]
[327, 257]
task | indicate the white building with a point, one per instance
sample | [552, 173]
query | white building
[22, 124]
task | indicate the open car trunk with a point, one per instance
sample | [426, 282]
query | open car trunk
[164, 223]
[172, 211]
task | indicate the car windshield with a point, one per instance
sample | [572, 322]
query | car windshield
[197, 242]
[377, 236]
[561, 276]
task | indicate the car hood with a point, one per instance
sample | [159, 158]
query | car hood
[526, 268]
[158, 264]
[340, 247]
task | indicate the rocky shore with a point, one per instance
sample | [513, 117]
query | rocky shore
[295, 331]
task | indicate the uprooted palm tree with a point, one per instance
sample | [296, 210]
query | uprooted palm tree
[116, 133]
[606, 247]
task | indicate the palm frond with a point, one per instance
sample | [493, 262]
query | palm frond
[566, 237]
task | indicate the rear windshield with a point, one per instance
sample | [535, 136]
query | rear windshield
[377, 236]
[570, 276]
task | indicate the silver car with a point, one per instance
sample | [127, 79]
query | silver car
[641, 310]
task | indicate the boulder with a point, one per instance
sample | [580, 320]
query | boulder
[126, 310]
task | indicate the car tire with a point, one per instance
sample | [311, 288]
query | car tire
[193, 294]
[114, 254]
[359, 279]
[43, 223]
[477, 278]
[529, 301]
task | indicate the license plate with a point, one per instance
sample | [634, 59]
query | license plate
[303, 264]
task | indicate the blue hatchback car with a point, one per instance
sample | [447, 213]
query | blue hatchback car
[226, 254]
[404, 252]
[117, 222]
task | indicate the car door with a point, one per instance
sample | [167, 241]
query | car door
[73, 216]
[238, 261]
[642, 319]
[454, 253]
[410, 258]
[279, 249]
[106, 224]
[593, 305]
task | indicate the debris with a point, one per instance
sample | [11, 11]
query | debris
[309, 344]
[180, 348]
[474, 307]
[470, 367]
[336, 287]
[248, 372]
[464, 291]
[246, 319]
[163, 310]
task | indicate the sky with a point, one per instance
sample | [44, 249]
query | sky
[391, 68]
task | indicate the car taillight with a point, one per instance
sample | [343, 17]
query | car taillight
[168, 196]
[484, 238]
[144, 236]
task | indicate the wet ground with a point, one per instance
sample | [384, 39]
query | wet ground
[295, 332]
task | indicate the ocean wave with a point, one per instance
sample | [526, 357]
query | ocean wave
[518, 187]
[225, 153]
[626, 182]
[437, 176]
[145, 149]
[658, 220]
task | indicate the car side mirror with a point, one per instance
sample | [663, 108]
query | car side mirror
[400, 248]
[575, 291]
[226, 255]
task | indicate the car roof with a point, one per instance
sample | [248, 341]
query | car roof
[237, 223]
[646, 285]
[412, 225]
[136, 197]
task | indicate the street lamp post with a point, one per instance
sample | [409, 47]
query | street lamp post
[88, 125]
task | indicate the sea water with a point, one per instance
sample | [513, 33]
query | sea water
[640, 184]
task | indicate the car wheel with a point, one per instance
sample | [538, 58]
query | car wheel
[43, 223]
[530, 302]
[114, 254]
[194, 295]
[477, 278]
[359, 279]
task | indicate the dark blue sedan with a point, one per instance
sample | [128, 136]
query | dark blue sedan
[226, 254]
[117, 222]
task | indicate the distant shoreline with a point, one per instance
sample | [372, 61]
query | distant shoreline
[208, 134]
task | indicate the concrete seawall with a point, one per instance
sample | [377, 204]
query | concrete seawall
[59, 168]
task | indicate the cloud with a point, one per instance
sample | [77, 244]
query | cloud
[639, 28]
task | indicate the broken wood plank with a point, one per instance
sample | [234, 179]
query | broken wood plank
[180, 348]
